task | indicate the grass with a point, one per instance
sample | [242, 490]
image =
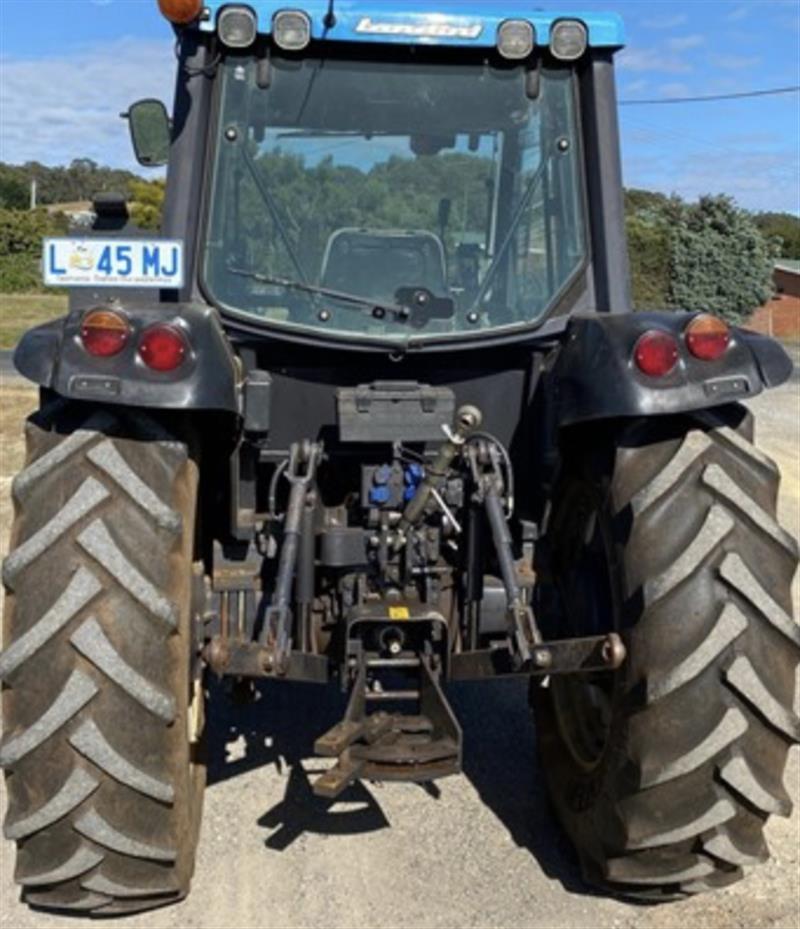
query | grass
[19, 312]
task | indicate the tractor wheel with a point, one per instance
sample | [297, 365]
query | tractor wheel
[665, 772]
[102, 705]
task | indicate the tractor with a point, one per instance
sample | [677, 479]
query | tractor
[373, 410]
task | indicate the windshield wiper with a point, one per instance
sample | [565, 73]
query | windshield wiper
[527, 196]
[269, 200]
[351, 301]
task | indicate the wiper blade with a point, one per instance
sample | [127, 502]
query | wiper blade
[352, 301]
[527, 196]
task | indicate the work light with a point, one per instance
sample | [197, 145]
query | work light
[568, 39]
[515, 39]
[237, 26]
[291, 30]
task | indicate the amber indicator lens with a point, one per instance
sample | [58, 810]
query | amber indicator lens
[656, 353]
[163, 347]
[181, 12]
[104, 333]
[707, 337]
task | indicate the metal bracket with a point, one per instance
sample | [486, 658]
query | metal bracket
[565, 656]
[392, 746]
[304, 458]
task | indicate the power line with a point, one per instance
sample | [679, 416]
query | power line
[749, 93]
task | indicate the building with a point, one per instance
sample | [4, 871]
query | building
[781, 316]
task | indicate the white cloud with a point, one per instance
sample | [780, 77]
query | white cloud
[635, 87]
[759, 177]
[652, 59]
[739, 13]
[674, 89]
[665, 22]
[681, 43]
[735, 62]
[60, 107]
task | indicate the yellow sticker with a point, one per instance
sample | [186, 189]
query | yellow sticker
[399, 612]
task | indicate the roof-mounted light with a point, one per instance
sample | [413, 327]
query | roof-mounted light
[568, 39]
[237, 26]
[291, 30]
[516, 39]
[181, 12]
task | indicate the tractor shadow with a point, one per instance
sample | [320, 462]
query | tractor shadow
[279, 728]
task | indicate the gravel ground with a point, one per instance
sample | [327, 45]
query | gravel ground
[478, 850]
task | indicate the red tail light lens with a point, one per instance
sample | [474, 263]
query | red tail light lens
[104, 333]
[707, 337]
[163, 347]
[656, 353]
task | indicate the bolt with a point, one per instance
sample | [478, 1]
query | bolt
[231, 134]
[542, 658]
[324, 316]
[613, 651]
[472, 317]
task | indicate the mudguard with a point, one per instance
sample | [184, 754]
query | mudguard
[595, 377]
[52, 356]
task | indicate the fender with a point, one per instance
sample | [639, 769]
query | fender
[595, 377]
[53, 356]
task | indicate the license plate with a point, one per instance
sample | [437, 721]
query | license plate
[113, 262]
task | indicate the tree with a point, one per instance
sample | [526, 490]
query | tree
[21, 235]
[783, 227]
[720, 261]
[649, 251]
[14, 191]
[147, 203]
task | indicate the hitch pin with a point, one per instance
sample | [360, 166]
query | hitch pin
[446, 510]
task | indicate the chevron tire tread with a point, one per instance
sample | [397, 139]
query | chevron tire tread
[703, 707]
[104, 782]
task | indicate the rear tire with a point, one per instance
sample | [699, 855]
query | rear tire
[699, 719]
[103, 714]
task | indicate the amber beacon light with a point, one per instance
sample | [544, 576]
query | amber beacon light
[181, 12]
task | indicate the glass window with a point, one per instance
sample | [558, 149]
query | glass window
[394, 199]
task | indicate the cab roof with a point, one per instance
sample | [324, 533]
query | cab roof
[468, 23]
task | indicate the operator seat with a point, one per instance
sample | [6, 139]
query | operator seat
[376, 263]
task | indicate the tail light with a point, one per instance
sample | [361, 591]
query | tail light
[707, 337]
[104, 333]
[181, 12]
[656, 353]
[163, 347]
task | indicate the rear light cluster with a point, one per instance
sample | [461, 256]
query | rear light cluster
[657, 352]
[162, 346]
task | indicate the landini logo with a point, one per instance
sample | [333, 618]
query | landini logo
[435, 29]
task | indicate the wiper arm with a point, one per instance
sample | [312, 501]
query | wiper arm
[269, 200]
[352, 301]
[527, 196]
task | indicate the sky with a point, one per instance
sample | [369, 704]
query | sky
[68, 68]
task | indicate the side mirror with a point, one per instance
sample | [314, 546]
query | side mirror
[150, 132]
